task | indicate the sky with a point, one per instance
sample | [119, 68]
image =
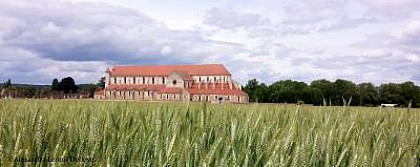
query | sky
[374, 41]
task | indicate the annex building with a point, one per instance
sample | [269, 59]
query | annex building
[206, 82]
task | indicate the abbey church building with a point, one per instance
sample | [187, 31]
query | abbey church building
[207, 82]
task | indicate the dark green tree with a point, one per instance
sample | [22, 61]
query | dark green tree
[344, 91]
[311, 96]
[326, 88]
[411, 93]
[391, 93]
[250, 88]
[261, 93]
[287, 91]
[55, 85]
[67, 85]
[101, 83]
[368, 94]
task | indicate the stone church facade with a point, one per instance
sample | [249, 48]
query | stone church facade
[207, 82]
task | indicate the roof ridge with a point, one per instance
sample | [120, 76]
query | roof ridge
[160, 65]
[192, 69]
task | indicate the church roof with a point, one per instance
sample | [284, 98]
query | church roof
[165, 70]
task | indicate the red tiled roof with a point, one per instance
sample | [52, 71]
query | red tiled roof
[164, 70]
[184, 74]
[171, 90]
[100, 92]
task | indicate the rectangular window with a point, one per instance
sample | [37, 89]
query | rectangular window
[125, 80]
[115, 80]
[134, 80]
[163, 80]
[144, 80]
[153, 80]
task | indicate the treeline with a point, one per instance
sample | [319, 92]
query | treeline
[66, 88]
[340, 92]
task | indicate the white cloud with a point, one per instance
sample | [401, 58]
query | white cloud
[414, 58]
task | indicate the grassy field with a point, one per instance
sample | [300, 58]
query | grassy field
[100, 133]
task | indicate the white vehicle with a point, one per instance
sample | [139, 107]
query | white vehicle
[388, 105]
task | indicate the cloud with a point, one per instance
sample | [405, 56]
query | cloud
[97, 32]
[228, 18]
[23, 66]
[68, 38]
[365, 41]
[294, 17]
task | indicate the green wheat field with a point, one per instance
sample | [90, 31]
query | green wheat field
[119, 133]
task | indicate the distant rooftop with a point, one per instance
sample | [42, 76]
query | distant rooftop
[165, 70]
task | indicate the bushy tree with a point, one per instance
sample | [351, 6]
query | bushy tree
[287, 91]
[101, 83]
[55, 85]
[340, 92]
[67, 85]
[368, 94]
[89, 89]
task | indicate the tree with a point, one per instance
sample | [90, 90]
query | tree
[287, 91]
[261, 93]
[326, 88]
[368, 94]
[391, 93]
[55, 85]
[311, 96]
[101, 83]
[67, 85]
[7, 84]
[411, 93]
[345, 90]
[251, 88]
[89, 89]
